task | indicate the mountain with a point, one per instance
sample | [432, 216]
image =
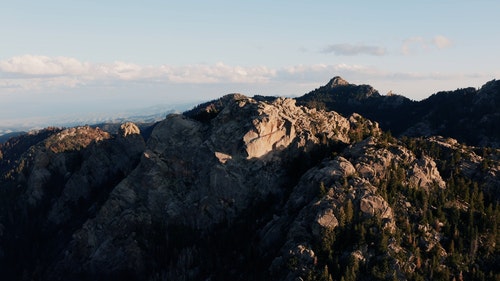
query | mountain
[246, 188]
[6, 136]
[468, 115]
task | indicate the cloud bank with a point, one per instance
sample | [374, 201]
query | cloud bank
[33, 72]
[353, 50]
[30, 73]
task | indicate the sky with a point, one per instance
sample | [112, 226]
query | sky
[63, 59]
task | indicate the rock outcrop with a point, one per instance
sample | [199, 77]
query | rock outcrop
[129, 128]
[63, 181]
[199, 175]
[348, 185]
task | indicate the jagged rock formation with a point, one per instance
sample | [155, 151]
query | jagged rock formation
[129, 128]
[247, 189]
[199, 175]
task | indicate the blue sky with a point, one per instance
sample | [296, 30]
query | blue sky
[61, 58]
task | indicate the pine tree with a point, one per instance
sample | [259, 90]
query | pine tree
[349, 211]
[325, 275]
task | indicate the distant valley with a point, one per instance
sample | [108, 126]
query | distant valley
[141, 115]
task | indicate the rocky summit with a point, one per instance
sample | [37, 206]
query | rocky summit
[244, 188]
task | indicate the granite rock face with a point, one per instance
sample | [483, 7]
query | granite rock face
[199, 175]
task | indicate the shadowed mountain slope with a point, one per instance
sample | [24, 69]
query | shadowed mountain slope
[469, 115]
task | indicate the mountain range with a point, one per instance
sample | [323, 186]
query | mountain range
[340, 184]
[469, 115]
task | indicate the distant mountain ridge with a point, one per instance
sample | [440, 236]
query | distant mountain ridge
[141, 115]
[6, 136]
[469, 115]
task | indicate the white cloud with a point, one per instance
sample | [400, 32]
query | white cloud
[416, 44]
[42, 65]
[441, 42]
[353, 50]
[33, 72]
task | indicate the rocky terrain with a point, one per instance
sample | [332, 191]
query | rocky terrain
[469, 115]
[248, 189]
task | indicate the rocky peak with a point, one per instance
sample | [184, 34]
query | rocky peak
[340, 96]
[336, 81]
[489, 94]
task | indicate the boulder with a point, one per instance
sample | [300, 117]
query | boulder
[128, 128]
